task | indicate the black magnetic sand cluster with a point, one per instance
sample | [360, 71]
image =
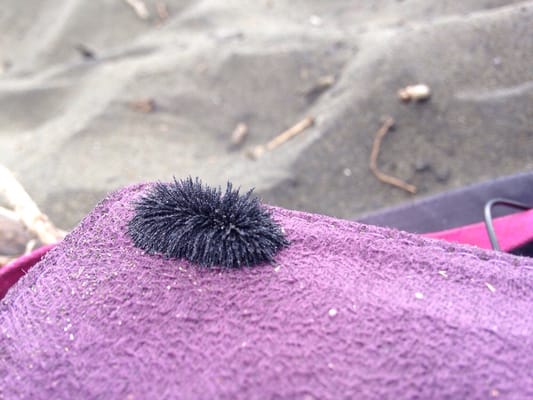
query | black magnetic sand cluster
[185, 219]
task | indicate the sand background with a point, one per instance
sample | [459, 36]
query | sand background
[69, 132]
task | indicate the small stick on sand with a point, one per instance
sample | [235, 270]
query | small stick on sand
[146, 106]
[27, 210]
[290, 133]
[139, 7]
[162, 10]
[282, 137]
[239, 134]
[391, 180]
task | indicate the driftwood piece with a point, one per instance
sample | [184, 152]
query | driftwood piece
[139, 7]
[283, 137]
[26, 210]
[391, 180]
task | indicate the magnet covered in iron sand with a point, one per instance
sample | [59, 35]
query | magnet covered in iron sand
[186, 219]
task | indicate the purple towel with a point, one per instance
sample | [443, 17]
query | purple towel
[346, 311]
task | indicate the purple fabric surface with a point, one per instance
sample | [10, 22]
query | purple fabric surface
[347, 311]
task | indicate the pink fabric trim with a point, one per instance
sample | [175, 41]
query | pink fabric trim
[12, 272]
[512, 231]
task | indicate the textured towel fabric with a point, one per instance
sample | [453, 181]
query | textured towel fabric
[346, 311]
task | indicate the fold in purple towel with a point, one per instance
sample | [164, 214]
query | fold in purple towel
[345, 311]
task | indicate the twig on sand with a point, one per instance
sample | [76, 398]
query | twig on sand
[282, 137]
[26, 210]
[146, 105]
[139, 7]
[162, 11]
[391, 180]
[290, 133]
[239, 134]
